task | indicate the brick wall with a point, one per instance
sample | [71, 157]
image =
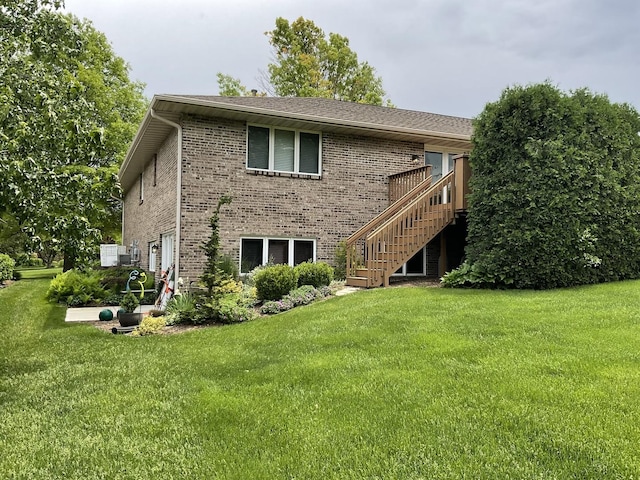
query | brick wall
[156, 215]
[352, 190]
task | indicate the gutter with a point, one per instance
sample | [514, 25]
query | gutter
[176, 259]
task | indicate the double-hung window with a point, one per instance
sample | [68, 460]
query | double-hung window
[290, 251]
[279, 150]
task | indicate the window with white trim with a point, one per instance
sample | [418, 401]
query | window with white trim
[258, 251]
[281, 150]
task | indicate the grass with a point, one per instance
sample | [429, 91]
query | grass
[395, 383]
[31, 273]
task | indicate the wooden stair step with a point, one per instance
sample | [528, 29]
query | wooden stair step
[362, 282]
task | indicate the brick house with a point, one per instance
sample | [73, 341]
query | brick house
[304, 174]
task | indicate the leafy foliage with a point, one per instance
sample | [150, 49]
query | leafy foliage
[149, 325]
[229, 309]
[129, 302]
[308, 64]
[274, 281]
[229, 86]
[555, 191]
[115, 279]
[315, 274]
[213, 274]
[68, 111]
[76, 288]
[7, 265]
[300, 296]
[181, 309]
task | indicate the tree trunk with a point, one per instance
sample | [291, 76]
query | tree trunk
[69, 261]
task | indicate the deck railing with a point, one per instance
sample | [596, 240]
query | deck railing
[399, 239]
[355, 243]
[402, 183]
[388, 241]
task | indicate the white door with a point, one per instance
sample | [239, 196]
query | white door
[167, 244]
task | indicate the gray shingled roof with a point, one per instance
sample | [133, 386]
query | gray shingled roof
[324, 114]
[347, 111]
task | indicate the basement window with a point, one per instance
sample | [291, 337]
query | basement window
[289, 251]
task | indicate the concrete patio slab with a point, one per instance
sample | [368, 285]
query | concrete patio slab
[91, 314]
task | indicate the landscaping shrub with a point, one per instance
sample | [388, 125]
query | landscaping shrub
[555, 190]
[28, 260]
[115, 279]
[181, 309]
[129, 303]
[229, 309]
[228, 267]
[340, 271]
[227, 286]
[149, 325]
[300, 296]
[112, 299]
[315, 274]
[76, 288]
[275, 281]
[7, 264]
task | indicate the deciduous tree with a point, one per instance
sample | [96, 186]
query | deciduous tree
[307, 63]
[68, 111]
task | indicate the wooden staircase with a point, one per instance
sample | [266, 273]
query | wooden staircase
[383, 245]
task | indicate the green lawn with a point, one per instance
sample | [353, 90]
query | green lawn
[397, 383]
[31, 273]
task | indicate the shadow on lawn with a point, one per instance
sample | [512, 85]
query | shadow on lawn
[55, 318]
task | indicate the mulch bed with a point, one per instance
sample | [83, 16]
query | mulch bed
[168, 330]
[175, 329]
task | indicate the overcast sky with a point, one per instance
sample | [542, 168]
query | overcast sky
[442, 56]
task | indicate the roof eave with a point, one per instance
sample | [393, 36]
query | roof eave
[366, 126]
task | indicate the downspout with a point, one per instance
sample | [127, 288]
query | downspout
[176, 260]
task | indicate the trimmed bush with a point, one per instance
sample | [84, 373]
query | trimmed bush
[300, 296]
[7, 264]
[149, 325]
[555, 191]
[317, 274]
[231, 310]
[129, 303]
[275, 281]
[75, 288]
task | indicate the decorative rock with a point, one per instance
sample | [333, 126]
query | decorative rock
[106, 315]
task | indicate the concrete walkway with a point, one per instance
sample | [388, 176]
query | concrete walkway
[347, 291]
[91, 314]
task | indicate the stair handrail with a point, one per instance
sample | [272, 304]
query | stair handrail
[390, 210]
[376, 274]
[408, 205]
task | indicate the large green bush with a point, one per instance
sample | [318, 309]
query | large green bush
[115, 279]
[555, 190]
[274, 281]
[7, 264]
[76, 288]
[317, 274]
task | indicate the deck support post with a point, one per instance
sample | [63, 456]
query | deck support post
[442, 264]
